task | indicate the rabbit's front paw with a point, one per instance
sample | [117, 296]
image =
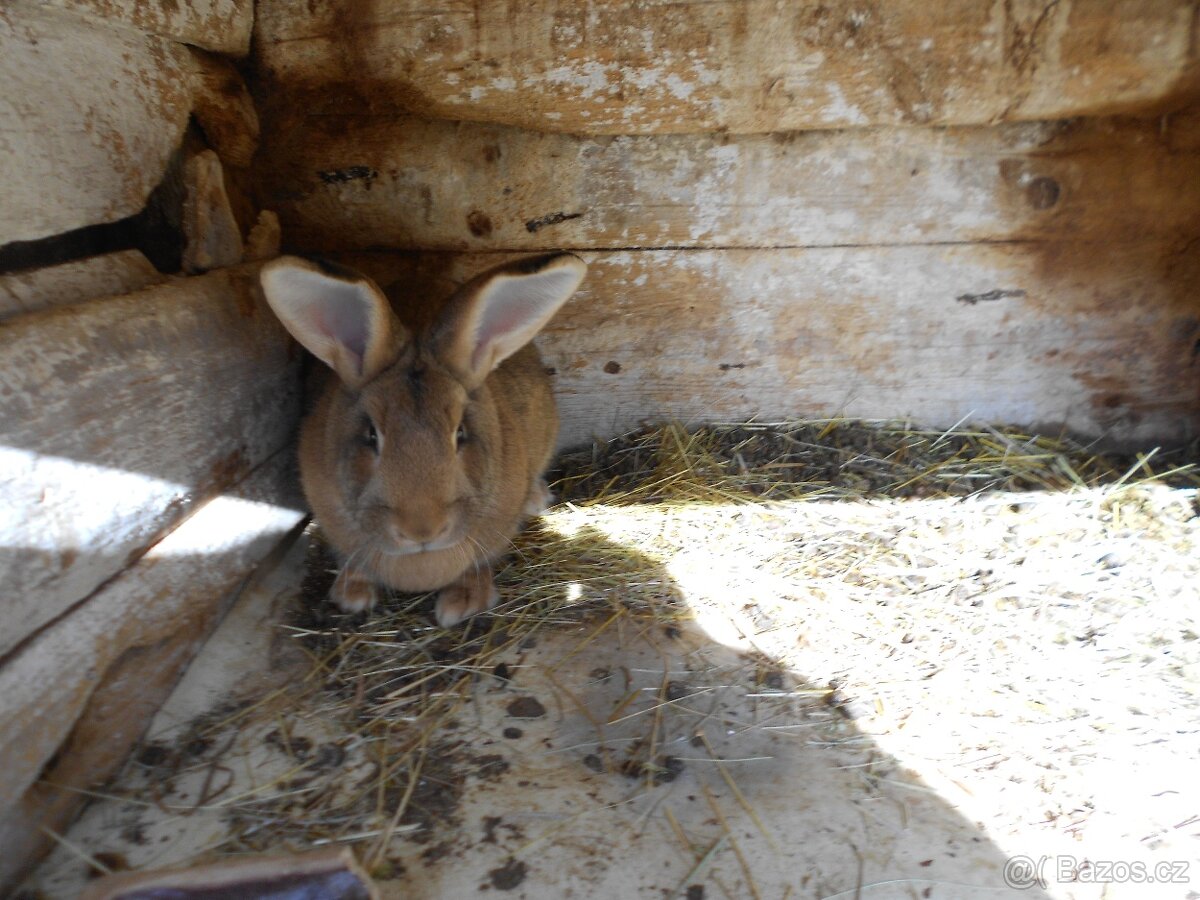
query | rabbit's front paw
[474, 592]
[539, 499]
[353, 593]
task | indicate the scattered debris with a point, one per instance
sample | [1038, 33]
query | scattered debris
[509, 875]
[839, 560]
[526, 708]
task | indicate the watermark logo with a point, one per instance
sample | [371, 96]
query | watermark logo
[1024, 872]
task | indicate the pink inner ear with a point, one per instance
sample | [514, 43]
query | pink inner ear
[503, 322]
[345, 323]
[496, 324]
[511, 309]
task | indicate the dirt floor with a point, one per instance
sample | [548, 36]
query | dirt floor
[965, 678]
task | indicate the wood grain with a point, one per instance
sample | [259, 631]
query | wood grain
[224, 109]
[333, 873]
[354, 182]
[74, 282]
[212, 238]
[118, 418]
[220, 25]
[89, 116]
[738, 66]
[1096, 339]
[78, 696]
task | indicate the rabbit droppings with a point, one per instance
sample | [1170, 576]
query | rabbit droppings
[422, 458]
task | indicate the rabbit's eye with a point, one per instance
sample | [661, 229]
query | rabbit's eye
[369, 436]
[460, 436]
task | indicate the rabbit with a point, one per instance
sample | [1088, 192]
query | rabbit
[423, 457]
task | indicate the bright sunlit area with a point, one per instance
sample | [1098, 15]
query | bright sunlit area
[826, 659]
[861, 341]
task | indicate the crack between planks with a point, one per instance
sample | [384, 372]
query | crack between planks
[707, 248]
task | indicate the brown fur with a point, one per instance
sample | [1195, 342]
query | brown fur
[419, 489]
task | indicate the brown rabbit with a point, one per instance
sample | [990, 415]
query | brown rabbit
[423, 457]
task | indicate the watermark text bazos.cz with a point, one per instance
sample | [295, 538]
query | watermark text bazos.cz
[1023, 872]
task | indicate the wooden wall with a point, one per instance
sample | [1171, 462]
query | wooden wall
[146, 416]
[886, 210]
[733, 66]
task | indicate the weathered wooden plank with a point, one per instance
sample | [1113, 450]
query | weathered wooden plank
[87, 688]
[262, 243]
[741, 66]
[224, 109]
[212, 238]
[359, 182]
[89, 116]
[332, 872]
[117, 418]
[74, 282]
[1097, 339]
[222, 26]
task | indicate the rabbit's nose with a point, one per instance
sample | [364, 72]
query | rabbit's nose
[419, 532]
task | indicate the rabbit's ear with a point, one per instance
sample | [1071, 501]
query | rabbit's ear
[338, 314]
[496, 314]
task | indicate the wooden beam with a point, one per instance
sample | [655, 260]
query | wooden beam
[225, 110]
[89, 115]
[77, 697]
[262, 243]
[118, 418]
[222, 26]
[212, 238]
[333, 873]
[737, 66]
[357, 182]
[74, 282]
[1097, 339]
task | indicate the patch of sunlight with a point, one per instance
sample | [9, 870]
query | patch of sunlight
[1032, 657]
[77, 504]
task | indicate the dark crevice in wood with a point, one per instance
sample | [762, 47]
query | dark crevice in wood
[92, 240]
[157, 231]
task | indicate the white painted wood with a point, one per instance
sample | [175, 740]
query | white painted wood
[118, 418]
[742, 66]
[75, 282]
[92, 682]
[1094, 338]
[352, 182]
[89, 115]
[220, 25]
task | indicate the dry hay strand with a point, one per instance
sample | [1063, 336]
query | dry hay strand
[392, 681]
[841, 458]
